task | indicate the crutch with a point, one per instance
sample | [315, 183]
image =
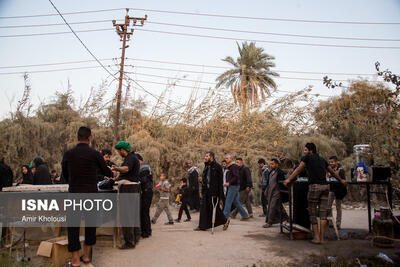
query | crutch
[213, 214]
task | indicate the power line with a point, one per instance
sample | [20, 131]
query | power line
[52, 70]
[54, 64]
[203, 88]
[97, 60]
[212, 37]
[268, 41]
[216, 73]
[53, 24]
[52, 33]
[197, 81]
[154, 68]
[275, 34]
[209, 15]
[57, 14]
[214, 29]
[265, 18]
[181, 64]
[87, 49]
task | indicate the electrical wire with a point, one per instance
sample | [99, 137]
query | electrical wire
[197, 81]
[53, 64]
[209, 15]
[269, 41]
[266, 18]
[57, 14]
[181, 64]
[273, 33]
[212, 37]
[97, 60]
[211, 28]
[53, 33]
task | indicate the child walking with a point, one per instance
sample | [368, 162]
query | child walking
[163, 203]
[185, 194]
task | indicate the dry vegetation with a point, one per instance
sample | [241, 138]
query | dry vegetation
[168, 134]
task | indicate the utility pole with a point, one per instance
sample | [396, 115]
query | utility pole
[125, 35]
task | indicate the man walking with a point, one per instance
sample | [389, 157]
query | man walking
[246, 184]
[79, 166]
[212, 193]
[318, 191]
[232, 196]
[193, 172]
[129, 175]
[264, 171]
[275, 212]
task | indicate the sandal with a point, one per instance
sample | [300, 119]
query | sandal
[315, 242]
[85, 262]
[226, 225]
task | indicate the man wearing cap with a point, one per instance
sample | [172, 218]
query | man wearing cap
[129, 174]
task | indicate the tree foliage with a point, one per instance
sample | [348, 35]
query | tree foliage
[364, 113]
[250, 79]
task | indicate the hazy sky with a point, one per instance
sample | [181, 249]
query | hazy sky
[188, 49]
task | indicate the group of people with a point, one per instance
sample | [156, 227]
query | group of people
[225, 189]
[36, 173]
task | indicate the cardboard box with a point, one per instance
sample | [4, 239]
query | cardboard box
[56, 250]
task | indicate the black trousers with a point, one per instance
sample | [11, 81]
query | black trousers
[194, 199]
[184, 208]
[73, 238]
[131, 234]
[264, 201]
[145, 203]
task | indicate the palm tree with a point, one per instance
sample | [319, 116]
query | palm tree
[251, 76]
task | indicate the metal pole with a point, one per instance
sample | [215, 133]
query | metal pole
[369, 207]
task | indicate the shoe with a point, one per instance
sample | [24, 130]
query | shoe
[187, 220]
[145, 236]
[169, 223]
[85, 262]
[197, 229]
[267, 225]
[177, 220]
[245, 218]
[251, 215]
[261, 215]
[127, 246]
[226, 225]
[153, 221]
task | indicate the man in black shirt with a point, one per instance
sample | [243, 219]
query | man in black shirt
[318, 191]
[129, 170]
[129, 174]
[246, 184]
[79, 166]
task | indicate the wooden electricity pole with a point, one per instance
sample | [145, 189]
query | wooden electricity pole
[125, 35]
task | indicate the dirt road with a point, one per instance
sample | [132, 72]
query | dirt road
[243, 244]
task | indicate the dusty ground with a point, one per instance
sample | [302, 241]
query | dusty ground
[244, 244]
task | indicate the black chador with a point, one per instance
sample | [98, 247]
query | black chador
[212, 189]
